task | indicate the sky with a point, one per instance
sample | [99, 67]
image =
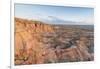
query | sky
[55, 14]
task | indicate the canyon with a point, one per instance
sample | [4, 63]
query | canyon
[37, 42]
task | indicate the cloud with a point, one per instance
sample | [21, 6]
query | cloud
[58, 20]
[89, 20]
[51, 19]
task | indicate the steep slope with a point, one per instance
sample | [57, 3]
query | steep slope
[27, 40]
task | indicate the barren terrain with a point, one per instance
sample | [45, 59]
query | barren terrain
[39, 43]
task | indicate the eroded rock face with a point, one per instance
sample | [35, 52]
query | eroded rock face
[28, 47]
[37, 42]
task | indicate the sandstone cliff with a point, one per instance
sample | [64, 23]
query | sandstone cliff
[28, 47]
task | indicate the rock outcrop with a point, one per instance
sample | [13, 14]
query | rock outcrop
[28, 47]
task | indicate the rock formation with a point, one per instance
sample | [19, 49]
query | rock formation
[28, 47]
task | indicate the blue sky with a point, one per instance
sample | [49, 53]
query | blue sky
[55, 14]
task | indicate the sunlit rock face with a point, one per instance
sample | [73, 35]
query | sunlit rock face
[28, 46]
[38, 43]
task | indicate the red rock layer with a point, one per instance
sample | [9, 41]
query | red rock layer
[28, 47]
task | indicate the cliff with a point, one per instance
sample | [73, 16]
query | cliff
[27, 40]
